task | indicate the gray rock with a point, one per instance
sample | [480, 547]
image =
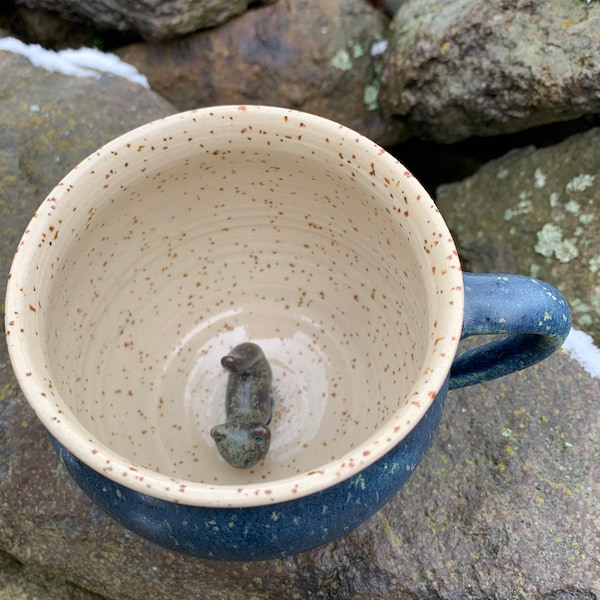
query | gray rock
[461, 68]
[504, 505]
[50, 31]
[18, 582]
[312, 55]
[49, 122]
[536, 212]
[153, 19]
[392, 6]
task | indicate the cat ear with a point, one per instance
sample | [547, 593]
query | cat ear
[231, 363]
[219, 433]
[261, 433]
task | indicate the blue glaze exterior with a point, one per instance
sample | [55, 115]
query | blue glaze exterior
[534, 319]
[262, 532]
[531, 315]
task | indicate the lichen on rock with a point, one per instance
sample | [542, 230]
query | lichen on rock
[549, 203]
[485, 67]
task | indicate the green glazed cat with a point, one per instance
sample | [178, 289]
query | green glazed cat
[245, 438]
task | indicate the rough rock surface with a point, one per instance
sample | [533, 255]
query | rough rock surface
[313, 55]
[460, 68]
[18, 582]
[47, 29]
[153, 19]
[536, 212]
[504, 506]
[49, 122]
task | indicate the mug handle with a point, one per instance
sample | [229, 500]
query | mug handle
[532, 316]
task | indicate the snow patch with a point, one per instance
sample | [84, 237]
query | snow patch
[580, 346]
[379, 48]
[83, 62]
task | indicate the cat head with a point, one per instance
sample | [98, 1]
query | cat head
[242, 445]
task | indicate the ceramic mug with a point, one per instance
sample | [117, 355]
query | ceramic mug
[178, 240]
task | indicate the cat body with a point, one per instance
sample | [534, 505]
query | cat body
[244, 439]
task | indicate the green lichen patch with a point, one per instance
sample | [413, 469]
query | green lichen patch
[357, 51]
[524, 207]
[594, 264]
[572, 207]
[580, 183]
[539, 178]
[341, 60]
[536, 212]
[550, 238]
[371, 93]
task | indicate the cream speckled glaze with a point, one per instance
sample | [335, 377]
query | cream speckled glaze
[175, 242]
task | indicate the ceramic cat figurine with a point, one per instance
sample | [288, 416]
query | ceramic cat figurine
[245, 438]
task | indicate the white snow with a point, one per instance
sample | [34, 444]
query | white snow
[580, 346]
[84, 62]
[379, 47]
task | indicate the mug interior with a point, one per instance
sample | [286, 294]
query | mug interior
[172, 244]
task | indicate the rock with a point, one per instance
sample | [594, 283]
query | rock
[388, 6]
[536, 212]
[392, 6]
[49, 30]
[504, 505]
[153, 19]
[48, 123]
[464, 68]
[18, 582]
[312, 55]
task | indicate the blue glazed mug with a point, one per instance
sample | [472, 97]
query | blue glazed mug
[172, 244]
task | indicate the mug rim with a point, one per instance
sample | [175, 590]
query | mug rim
[71, 433]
